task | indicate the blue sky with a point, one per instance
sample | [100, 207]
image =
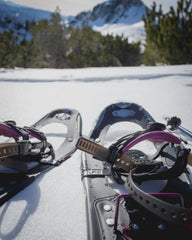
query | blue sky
[73, 7]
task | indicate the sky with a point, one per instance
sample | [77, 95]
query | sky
[73, 7]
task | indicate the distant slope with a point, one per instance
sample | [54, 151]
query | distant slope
[117, 17]
[20, 14]
[134, 32]
[14, 16]
[111, 12]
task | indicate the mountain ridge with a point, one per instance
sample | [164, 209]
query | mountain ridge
[19, 13]
[115, 17]
[111, 12]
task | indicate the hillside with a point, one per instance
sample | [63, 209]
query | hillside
[17, 17]
[111, 12]
[20, 14]
[115, 17]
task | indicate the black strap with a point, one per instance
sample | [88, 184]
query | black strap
[168, 173]
[15, 155]
[171, 213]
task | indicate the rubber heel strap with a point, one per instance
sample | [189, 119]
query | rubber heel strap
[171, 213]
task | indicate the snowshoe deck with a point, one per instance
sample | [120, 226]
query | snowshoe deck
[111, 211]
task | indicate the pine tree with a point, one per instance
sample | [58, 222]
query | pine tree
[169, 36]
[8, 49]
[57, 40]
[38, 42]
[49, 42]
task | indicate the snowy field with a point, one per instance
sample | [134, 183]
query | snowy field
[54, 206]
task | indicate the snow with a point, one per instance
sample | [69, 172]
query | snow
[128, 24]
[134, 32]
[53, 207]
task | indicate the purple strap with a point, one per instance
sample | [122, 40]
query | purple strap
[155, 137]
[33, 134]
[8, 131]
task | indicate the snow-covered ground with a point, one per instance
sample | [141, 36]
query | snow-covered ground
[54, 206]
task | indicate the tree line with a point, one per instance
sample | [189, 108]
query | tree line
[54, 45]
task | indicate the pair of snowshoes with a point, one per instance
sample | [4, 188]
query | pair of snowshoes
[137, 178]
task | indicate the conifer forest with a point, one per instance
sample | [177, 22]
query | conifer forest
[53, 44]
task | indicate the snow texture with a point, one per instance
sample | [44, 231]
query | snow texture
[53, 207]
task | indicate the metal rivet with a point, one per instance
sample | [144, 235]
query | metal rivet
[107, 208]
[97, 140]
[110, 221]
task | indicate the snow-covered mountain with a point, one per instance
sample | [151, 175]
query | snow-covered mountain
[20, 14]
[117, 17]
[111, 12]
[113, 16]
[14, 16]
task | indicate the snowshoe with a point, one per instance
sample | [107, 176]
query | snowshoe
[29, 153]
[138, 186]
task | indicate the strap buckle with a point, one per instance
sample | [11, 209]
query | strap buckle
[24, 147]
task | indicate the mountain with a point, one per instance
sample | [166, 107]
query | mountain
[113, 16]
[117, 17]
[16, 17]
[111, 12]
[20, 14]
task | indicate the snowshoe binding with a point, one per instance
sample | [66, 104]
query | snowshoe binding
[142, 186]
[29, 153]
